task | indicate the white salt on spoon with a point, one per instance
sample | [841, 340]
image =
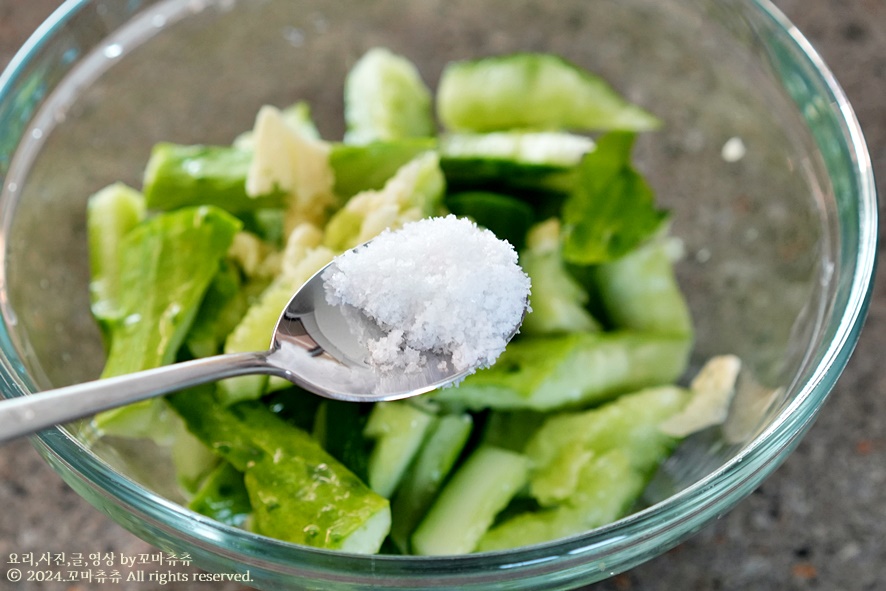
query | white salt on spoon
[436, 289]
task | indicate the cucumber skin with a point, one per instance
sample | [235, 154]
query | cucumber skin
[532, 91]
[223, 496]
[110, 214]
[298, 492]
[399, 429]
[185, 175]
[640, 292]
[468, 504]
[576, 369]
[442, 447]
[608, 488]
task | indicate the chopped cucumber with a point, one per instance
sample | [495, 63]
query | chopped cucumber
[298, 492]
[468, 504]
[386, 99]
[184, 176]
[420, 485]
[558, 301]
[630, 424]
[508, 218]
[607, 487]
[288, 160]
[399, 429]
[611, 209]
[111, 214]
[339, 427]
[548, 373]
[414, 192]
[532, 90]
[160, 293]
[303, 257]
[513, 161]
[368, 167]
[511, 430]
[223, 496]
[639, 292]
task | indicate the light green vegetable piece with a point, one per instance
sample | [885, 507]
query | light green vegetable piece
[223, 496]
[518, 161]
[399, 429]
[414, 192]
[558, 301]
[469, 502]
[611, 209]
[606, 488]
[110, 214]
[367, 167]
[386, 99]
[160, 293]
[640, 292]
[302, 258]
[535, 91]
[298, 492]
[443, 445]
[629, 423]
[191, 175]
[289, 160]
[549, 373]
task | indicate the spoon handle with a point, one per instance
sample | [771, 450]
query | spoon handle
[28, 414]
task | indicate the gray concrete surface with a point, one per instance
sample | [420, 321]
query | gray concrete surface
[818, 523]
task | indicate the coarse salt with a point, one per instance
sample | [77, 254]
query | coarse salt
[440, 286]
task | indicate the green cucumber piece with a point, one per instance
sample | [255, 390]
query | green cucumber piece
[184, 175]
[160, 293]
[607, 488]
[223, 497]
[386, 99]
[575, 369]
[532, 90]
[221, 310]
[398, 429]
[110, 214]
[508, 218]
[640, 292]
[339, 427]
[559, 302]
[512, 161]
[424, 479]
[414, 192]
[629, 424]
[298, 492]
[368, 167]
[611, 209]
[303, 257]
[511, 430]
[469, 502]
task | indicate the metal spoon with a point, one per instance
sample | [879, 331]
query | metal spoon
[312, 346]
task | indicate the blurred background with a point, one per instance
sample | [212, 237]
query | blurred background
[818, 523]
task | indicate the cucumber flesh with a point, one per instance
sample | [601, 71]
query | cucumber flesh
[422, 482]
[535, 91]
[298, 492]
[223, 496]
[629, 424]
[399, 429]
[386, 99]
[469, 502]
[547, 373]
[110, 214]
[607, 487]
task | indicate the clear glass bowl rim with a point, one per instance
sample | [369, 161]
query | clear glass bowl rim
[613, 548]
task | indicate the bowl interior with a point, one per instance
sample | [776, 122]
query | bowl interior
[752, 194]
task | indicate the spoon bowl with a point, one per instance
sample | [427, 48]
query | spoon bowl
[313, 346]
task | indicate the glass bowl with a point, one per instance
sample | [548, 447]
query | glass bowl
[760, 160]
